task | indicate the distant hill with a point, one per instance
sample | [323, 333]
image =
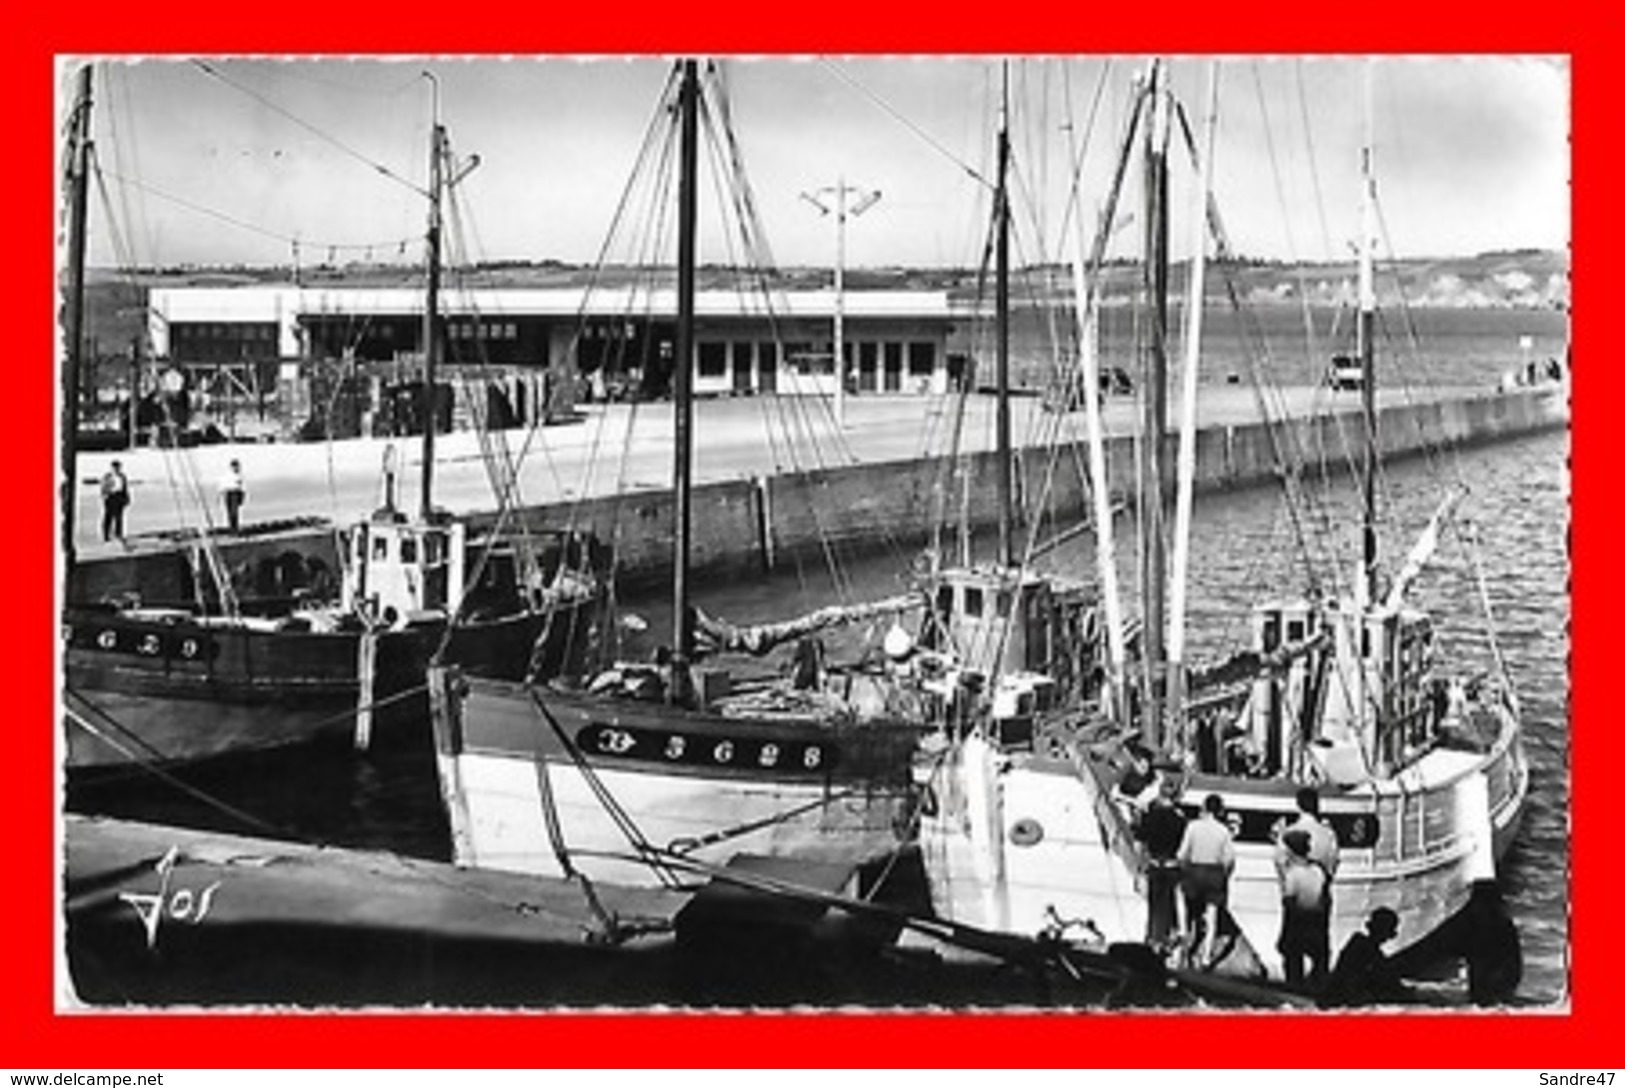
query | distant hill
[1516, 279]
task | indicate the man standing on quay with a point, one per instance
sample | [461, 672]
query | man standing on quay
[115, 498]
[232, 491]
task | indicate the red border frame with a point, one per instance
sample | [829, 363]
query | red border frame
[32, 1034]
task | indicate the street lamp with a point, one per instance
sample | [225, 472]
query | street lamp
[837, 195]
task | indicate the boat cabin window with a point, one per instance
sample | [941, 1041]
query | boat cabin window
[945, 602]
[1272, 632]
[431, 549]
[409, 550]
[1001, 602]
[1294, 631]
[973, 601]
[380, 547]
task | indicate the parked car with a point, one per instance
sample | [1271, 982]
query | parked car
[1345, 373]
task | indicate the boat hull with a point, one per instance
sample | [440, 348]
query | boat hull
[169, 691]
[639, 794]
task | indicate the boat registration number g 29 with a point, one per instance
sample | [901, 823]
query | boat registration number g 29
[168, 645]
[742, 753]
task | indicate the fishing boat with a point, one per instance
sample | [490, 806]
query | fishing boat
[645, 772]
[1420, 774]
[161, 686]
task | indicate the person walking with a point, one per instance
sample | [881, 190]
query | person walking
[115, 499]
[1305, 914]
[233, 492]
[1161, 830]
[1207, 856]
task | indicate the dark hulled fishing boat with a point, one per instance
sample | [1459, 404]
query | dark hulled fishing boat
[164, 686]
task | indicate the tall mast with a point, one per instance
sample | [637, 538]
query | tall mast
[682, 385]
[1001, 216]
[1368, 371]
[431, 309]
[74, 334]
[1186, 475]
[1155, 407]
[1105, 545]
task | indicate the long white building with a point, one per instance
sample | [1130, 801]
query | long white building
[546, 347]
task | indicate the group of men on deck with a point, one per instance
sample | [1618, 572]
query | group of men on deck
[1196, 858]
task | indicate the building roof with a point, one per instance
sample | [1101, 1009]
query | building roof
[286, 302]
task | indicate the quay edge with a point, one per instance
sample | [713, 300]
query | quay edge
[756, 523]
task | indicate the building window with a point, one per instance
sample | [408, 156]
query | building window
[922, 359]
[892, 361]
[713, 360]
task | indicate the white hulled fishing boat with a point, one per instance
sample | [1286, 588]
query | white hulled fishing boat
[1419, 773]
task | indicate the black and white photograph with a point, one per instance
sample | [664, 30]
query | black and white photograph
[819, 532]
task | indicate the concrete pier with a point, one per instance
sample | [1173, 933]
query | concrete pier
[774, 476]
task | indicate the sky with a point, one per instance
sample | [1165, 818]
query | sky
[264, 161]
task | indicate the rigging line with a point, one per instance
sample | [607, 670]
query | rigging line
[376, 167]
[754, 236]
[929, 140]
[502, 470]
[1280, 196]
[724, 146]
[1436, 450]
[635, 838]
[652, 180]
[1314, 171]
[122, 104]
[126, 743]
[773, 409]
[190, 483]
[1287, 458]
[252, 228]
[651, 145]
[1077, 149]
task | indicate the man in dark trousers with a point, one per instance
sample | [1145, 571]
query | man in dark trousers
[1305, 913]
[233, 491]
[115, 498]
[1160, 830]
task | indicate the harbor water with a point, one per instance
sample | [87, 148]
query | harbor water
[1245, 546]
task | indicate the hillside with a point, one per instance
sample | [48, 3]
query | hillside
[1522, 279]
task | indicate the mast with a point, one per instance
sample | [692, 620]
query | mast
[1105, 546]
[682, 385]
[1155, 408]
[74, 333]
[1368, 371]
[431, 309]
[1001, 292]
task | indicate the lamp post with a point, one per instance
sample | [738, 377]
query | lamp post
[837, 205]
